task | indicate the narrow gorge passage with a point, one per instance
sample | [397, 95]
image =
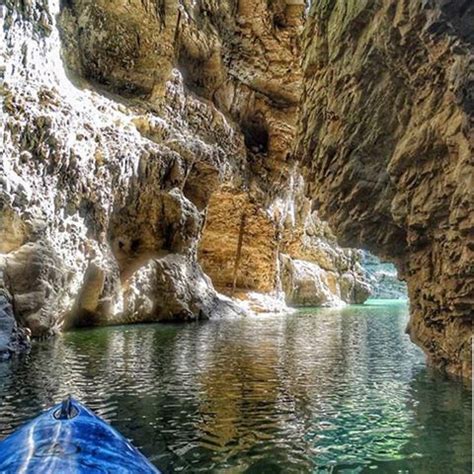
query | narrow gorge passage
[294, 179]
[135, 144]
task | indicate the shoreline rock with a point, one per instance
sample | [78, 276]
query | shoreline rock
[14, 339]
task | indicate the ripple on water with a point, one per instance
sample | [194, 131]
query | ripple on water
[318, 391]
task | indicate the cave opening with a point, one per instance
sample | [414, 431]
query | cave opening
[256, 135]
[279, 20]
[184, 173]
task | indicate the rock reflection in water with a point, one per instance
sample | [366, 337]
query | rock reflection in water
[303, 393]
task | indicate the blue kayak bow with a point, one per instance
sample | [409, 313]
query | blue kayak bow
[69, 438]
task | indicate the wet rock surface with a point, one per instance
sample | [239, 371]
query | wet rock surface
[386, 140]
[13, 339]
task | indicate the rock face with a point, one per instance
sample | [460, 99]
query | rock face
[307, 284]
[286, 251]
[98, 187]
[386, 140]
[257, 269]
[129, 127]
[185, 293]
[13, 339]
[315, 270]
[137, 135]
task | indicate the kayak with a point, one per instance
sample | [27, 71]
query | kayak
[70, 438]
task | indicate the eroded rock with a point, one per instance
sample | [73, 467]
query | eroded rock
[386, 139]
[218, 248]
[96, 186]
[168, 121]
[175, 288]
[286, 251]
[13, 339]
[122, 120]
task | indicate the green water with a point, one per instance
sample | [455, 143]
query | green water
[318, 391]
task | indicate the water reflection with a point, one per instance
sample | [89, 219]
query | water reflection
[319, 391]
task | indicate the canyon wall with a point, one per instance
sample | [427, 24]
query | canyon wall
[386, 140]
[129, 129]
[285, 250]
[148, 171]
[107, 167]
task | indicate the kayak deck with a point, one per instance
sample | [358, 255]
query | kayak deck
[79, 443]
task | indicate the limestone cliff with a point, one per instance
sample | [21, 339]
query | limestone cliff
[317, 272]
[106, 169]
[130, 129]
[286, 250]
[387, 143]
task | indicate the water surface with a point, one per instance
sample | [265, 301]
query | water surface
[321, 391]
